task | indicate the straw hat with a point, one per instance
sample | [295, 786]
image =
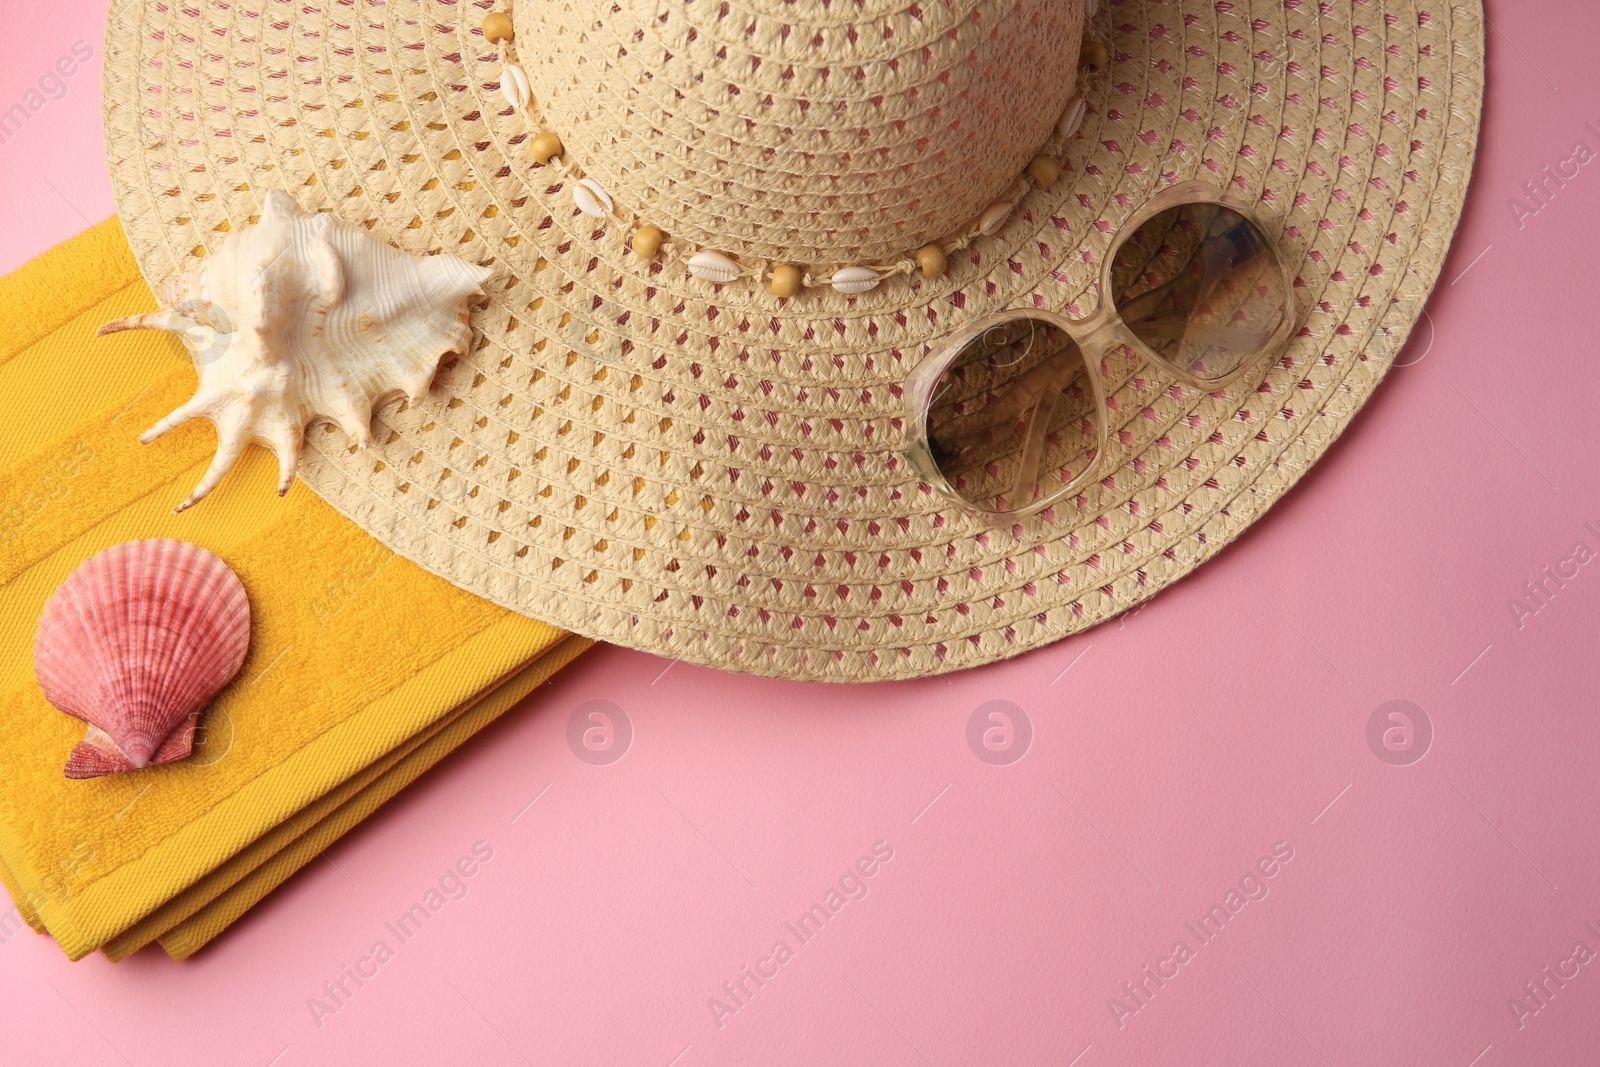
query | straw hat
[707, 470]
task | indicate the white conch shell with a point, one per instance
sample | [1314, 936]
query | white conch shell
[514, 87]
[855, 279]
[713, 267]
[591, 198]
[302, 317]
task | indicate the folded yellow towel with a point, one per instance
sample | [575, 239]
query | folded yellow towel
[363, 669]
[204, 910]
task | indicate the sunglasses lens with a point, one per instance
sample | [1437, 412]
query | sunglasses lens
[1200, 285]
[1012, 420]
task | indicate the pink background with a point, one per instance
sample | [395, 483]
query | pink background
[1169, 752]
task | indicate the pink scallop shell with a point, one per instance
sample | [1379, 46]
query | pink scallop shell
[135, 643]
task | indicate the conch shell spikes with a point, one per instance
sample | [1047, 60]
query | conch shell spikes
[300, 318]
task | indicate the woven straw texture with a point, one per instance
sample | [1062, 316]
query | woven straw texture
[710, 473]
[873, 134]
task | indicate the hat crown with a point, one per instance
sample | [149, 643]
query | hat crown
[809, 132]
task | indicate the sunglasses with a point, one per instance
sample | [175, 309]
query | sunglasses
[1010, 417]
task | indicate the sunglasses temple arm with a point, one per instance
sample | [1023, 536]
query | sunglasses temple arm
[1036, 383]
[1026, 488]
[1145, 305]
[1175, 330]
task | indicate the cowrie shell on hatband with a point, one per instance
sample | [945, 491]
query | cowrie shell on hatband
[592, 198]
[514, 87]
[855, 279]
[991, 220]
[713, 267]
[1072, 117]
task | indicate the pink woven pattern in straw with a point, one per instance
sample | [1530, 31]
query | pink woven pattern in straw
[712, 473]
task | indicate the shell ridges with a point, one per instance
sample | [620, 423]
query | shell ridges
[713, 267]
[1072, 117]
[302, 317]
[136, 642]
[855, 279]
[514, 87]
[592, 198]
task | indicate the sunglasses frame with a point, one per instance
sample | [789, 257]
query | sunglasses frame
[1094, 336]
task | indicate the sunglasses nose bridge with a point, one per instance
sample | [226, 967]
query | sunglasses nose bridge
[1098, 334]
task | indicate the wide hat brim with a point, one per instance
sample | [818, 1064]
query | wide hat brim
[709, 474]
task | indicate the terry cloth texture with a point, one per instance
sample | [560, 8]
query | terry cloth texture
[364, 670]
